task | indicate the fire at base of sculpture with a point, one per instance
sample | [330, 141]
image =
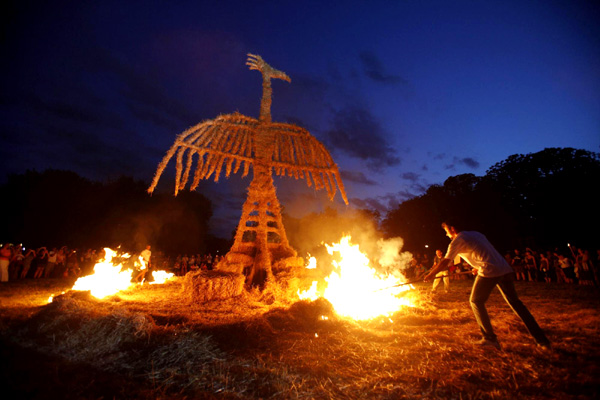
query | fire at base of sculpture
[204, 286]
[287, 273]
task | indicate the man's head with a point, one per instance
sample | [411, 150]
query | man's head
[439, 253]
[451, 230]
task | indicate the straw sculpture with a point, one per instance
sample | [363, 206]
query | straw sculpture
[232, 142]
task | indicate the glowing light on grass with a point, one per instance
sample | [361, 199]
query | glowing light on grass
[356, 290]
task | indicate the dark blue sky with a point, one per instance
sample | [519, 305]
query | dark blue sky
[403, 93]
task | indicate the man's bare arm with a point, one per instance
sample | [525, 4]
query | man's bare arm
[441, 266]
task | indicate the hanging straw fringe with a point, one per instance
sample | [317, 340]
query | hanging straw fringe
[230, 140]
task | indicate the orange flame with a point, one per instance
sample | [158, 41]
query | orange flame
[356, 290]
[109, 277]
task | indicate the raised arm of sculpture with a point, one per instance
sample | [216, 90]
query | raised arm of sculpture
[256, 63]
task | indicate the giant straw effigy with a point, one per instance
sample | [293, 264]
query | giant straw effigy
[234, 142]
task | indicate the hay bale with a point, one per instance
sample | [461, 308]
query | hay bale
[204, 286]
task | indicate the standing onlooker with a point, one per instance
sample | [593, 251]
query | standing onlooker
[442, 275]
[585, 271]
[72, 268]
[16, 264]
[530, 266]
[517, 266]
[52, 256]
[143, 275]
[567, 268]
[5, 257]
[558, 270]
[41, 261]
[545, 267]
[27, 261]
[61, 262]
[184, 264]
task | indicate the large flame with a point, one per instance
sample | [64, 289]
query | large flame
[109, 277]
[356, 290]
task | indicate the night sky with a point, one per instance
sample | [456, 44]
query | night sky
[404, 94]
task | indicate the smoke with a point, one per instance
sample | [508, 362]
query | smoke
[390, 257]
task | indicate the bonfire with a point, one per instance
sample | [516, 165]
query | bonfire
[111, 275]
[354, 288]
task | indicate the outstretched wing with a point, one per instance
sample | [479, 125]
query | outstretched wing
[228, 141]
[299, 154]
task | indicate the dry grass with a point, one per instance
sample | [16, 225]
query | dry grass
[149, 342]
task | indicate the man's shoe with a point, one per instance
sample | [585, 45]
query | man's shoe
[488, 343]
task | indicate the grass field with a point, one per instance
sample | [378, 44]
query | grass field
[150, 342]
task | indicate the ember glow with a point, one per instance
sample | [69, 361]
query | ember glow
[356, 290]
[110, 277]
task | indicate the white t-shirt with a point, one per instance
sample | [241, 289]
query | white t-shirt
[478, 252]
[146, 254]
[52, 257]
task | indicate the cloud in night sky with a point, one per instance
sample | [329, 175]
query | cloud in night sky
[103, 88]
[357, 177]
[375, 70]
[356, 133]
[469, 162]
[410, 176]
[383, 203]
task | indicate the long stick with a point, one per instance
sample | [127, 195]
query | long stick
[421, 280]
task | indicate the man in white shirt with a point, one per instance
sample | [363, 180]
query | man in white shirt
[146, 255]
[492, 270]
[442, 275]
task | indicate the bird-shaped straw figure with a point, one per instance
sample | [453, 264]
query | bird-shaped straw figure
[233, 141]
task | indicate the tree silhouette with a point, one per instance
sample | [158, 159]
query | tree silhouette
[544, 199]
[55, 208]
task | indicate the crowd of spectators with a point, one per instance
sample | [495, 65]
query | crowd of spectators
[184, 263]
[577, 266]
[18, 262]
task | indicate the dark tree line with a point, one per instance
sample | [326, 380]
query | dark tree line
[545, 199]
[55, 208]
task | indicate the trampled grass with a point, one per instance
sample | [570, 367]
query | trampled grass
[149, 342]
